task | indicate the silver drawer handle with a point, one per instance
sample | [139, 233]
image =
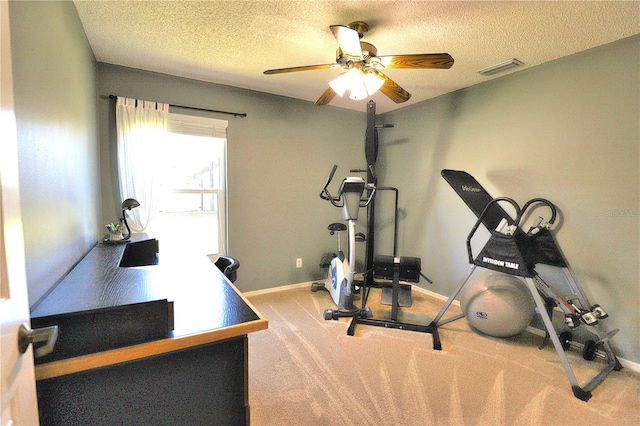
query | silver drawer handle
[27, 336]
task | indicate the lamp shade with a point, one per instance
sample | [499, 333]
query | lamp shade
[372, 82]
[130, 203]
[359, 84]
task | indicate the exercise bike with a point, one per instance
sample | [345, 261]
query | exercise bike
[341, 269]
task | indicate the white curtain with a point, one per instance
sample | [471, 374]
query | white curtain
[141, 127]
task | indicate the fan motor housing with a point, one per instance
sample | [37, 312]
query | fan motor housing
[368, 51]
[361, 27]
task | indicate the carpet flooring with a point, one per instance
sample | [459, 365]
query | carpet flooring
[304, 370]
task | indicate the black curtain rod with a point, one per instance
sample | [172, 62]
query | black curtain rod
[235, 114]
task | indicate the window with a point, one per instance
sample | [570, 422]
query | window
[192, 202]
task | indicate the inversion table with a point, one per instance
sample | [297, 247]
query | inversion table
[512, 251]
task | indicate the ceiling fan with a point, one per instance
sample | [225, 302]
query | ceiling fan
[363, 67]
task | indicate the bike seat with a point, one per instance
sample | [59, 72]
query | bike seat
[337, 227]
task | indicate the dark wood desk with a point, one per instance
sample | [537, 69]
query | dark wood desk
[198, 374]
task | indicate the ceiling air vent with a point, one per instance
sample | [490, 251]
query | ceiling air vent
[501, 67]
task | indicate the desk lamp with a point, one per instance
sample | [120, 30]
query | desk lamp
[128, 204]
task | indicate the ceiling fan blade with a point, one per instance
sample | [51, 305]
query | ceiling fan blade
[349, 41]
[326, 97]
[425, 60]
[303, 68]
[390, 88]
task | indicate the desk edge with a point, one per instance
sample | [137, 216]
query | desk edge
[144, 350]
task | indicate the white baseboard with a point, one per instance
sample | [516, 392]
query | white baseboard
[630, 365]
[434, 295]
[281, 288]
[308, 284]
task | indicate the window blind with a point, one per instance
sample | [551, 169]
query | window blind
[197, 126]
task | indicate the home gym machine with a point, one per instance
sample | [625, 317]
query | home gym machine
[512, 251]
[390, 268]
[396, 294]
[342, 270]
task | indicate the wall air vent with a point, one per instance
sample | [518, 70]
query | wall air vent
[501, 67]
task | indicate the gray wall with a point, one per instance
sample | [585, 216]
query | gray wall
[279, 157]
[568, 131]
[54, 78]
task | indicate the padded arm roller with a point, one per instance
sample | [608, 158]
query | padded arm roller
[410, 268]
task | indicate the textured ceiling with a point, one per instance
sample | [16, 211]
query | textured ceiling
[233, 42]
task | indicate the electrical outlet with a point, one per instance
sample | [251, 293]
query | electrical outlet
[299, 262]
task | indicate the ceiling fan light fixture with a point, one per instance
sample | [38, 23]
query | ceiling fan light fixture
[355, 84]
[372, 82]
[501, 67]
[339, 84]
[359, 85]
[358, 93]
[350, 80]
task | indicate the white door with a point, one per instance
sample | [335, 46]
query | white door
[19, 403]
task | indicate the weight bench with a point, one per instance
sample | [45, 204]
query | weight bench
[396, 295]
[397, 269]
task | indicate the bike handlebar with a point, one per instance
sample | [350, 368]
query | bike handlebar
[326, 195]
